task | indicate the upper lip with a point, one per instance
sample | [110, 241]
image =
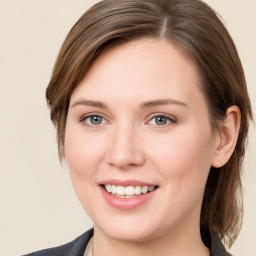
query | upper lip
[126, 183]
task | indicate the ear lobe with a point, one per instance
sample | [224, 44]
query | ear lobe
[228, 134]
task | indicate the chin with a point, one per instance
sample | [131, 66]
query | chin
[129, 232]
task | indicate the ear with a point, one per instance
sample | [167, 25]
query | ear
[227, 137]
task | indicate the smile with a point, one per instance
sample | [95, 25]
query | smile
[127, 194]
[128, 191]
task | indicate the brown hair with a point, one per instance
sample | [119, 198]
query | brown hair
[196, 30]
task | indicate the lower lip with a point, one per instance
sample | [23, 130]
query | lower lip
[126, 203]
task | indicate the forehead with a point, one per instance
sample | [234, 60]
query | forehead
[142, 69]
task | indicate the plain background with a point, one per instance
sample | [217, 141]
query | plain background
[38, 208]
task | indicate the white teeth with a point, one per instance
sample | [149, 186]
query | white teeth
[113, 189]
[144, 189]
[151, 188]
[120, 190]
[137, 190]
[128, 191]
[108, 188]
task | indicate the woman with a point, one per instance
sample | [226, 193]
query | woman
[151, 109]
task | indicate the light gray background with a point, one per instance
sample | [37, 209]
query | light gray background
[38, 208]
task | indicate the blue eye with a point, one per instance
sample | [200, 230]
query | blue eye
[161, 120]
[93, 120]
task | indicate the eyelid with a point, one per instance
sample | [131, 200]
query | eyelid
[83, 118]
[171, 118]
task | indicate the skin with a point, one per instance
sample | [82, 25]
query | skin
[130, 144]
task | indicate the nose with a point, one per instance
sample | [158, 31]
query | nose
[125, 150]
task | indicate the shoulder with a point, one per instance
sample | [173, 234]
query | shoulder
[217, 248]
[213, 242]
[74, 248]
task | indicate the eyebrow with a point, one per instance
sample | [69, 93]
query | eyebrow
[147, 104]
[162, 102]
[92, 103]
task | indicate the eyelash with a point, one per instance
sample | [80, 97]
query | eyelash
[170, 119]
[83, 120]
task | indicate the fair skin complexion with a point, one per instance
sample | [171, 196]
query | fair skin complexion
[138, 116]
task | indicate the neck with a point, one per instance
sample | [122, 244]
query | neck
[178, 243]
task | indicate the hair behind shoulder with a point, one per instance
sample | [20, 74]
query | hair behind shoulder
[197, 31]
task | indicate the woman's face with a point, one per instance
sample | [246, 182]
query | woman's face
[138, 126]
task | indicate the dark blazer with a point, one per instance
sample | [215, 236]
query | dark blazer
[74, 248]
[77, 247]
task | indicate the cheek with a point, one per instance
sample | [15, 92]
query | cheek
[83, 156]
[184, 160]
[81, 151]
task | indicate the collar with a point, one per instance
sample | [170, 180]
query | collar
[213, 242]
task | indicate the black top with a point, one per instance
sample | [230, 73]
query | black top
[78, 246]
